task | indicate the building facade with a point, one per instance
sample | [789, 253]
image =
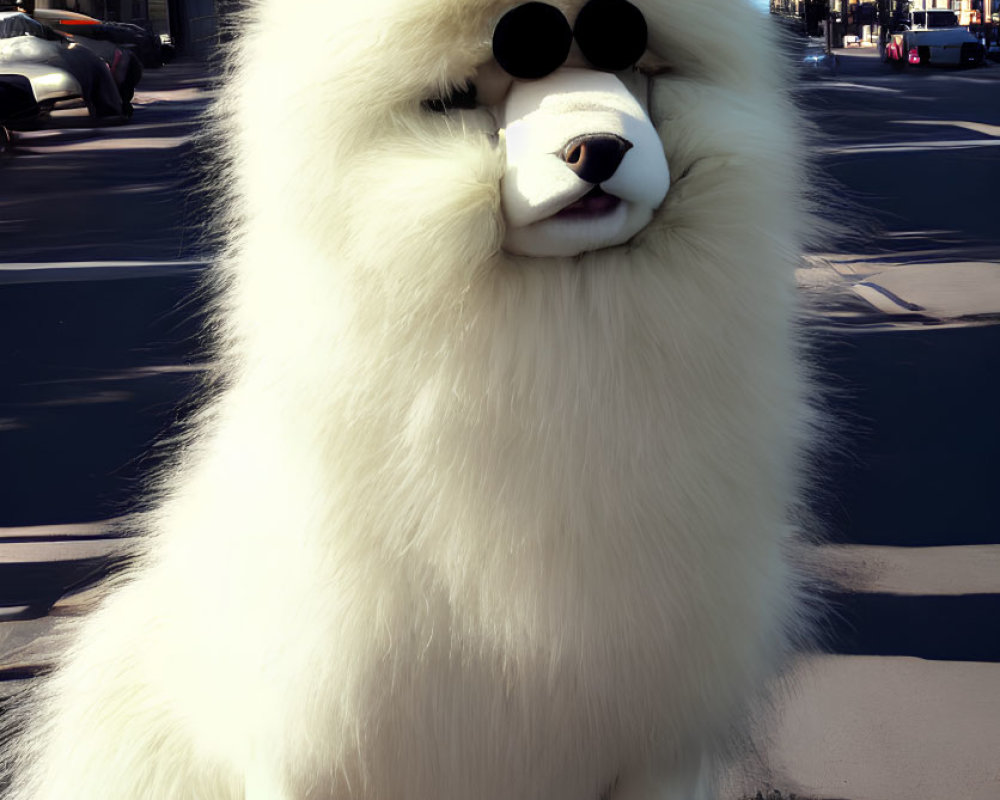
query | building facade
[864, 18]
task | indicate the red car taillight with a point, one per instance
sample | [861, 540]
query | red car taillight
[914, 56]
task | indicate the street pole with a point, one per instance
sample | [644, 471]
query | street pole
[829, 27]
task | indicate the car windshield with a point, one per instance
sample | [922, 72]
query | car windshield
[18, 24]
[935, 19]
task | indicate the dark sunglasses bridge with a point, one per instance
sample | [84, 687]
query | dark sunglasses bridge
[533, 40]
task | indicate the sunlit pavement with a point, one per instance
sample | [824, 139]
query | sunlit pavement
[103, 246]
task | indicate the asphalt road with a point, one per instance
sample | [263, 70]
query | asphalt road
[915, 163]
[101, 248]
[101, 252]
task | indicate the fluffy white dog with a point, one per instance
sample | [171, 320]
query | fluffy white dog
[496, 497]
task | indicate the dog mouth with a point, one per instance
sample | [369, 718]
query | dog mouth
[595, 203]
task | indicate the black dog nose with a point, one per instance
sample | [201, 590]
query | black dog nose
[595, 157]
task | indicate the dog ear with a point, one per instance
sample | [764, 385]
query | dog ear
[532, 40]
[612, 34]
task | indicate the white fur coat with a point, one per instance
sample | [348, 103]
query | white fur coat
[458, 524]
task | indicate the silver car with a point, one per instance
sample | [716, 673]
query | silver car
[58, 70]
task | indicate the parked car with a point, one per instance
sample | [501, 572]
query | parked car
[120, 51]
[816, 60]
[932, 37]
[17, 103]
[17, 98]
[57, 69]
[929, 19]
[148, 45]
[22, 58]
[125, 66]
[142, 42]
[948, 46]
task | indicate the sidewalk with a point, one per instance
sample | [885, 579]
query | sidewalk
[864, 728]
[917, 292]
[183, 72]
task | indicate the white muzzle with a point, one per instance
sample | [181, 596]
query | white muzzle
[585, 166]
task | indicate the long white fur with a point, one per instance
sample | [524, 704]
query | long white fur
[460, 525]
